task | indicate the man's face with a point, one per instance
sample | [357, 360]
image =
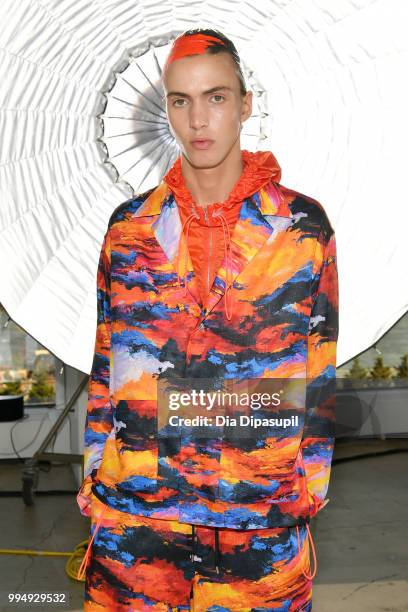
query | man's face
[203, 101]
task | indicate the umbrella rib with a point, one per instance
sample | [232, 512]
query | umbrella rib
[142, 131]
[154, 163]
[118, 34]
[139, 160]
[71, 34]
[44, 69]
[136, 106]
[133, 146]
[152, 85]
[169, 157]
[160, 71]
[142, 94]
[133, 119]
[44, 203]
[89, 212]
[15, 162]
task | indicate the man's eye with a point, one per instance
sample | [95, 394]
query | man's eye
[178, 100]
[218, 96]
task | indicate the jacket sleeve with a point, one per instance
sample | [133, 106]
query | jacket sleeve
[317, 442]
[99, 420]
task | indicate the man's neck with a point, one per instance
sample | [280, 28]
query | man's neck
[208, 185]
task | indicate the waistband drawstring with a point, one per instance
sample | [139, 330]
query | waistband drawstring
[192, 544]
[85, 560]
[216, 551]
[307, 576]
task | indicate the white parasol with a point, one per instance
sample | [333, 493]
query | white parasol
[83, 127]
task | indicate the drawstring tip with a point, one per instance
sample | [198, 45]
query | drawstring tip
[83, 567]
[309, 535]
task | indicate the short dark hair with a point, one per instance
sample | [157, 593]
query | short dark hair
[227, 46]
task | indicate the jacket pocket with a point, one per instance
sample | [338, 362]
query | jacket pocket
[313, 503]
[267, 473]
[130, 459]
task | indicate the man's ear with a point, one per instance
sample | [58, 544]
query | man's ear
[246, 110]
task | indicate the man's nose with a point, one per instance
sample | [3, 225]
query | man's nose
[198, 117]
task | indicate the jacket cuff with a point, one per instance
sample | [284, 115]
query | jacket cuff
[316, 504]
[84, 496]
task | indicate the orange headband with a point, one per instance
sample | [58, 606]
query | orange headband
[190, 45]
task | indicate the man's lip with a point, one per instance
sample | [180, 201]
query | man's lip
[202, 144]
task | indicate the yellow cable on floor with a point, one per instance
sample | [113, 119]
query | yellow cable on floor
[74, 558]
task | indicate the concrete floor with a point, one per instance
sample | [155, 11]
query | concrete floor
[361, 536]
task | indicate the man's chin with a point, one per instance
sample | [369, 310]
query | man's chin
[203, 159]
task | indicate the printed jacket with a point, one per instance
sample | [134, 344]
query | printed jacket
[272, 312]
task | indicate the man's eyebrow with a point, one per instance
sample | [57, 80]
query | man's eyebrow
[208, 91]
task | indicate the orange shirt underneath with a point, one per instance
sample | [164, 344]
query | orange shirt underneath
[206, 243]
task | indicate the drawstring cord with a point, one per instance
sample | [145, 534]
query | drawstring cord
[216, 552]
[187, 224]
[307, 576]
[192, 544]
[85, 560]
[227, 254]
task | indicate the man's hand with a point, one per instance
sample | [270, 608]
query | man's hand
[84, 497]
[316, 504]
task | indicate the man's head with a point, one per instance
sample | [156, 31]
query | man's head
[206, 96]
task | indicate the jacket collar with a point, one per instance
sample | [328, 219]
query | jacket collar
[261, 174]
[264, 213]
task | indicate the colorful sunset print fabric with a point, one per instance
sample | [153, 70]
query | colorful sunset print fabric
[284, 324]
[151, 565]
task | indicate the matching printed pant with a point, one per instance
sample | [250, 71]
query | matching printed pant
[154, 565]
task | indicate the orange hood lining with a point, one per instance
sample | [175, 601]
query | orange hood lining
[259, 168]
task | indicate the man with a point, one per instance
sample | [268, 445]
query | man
[220, 273]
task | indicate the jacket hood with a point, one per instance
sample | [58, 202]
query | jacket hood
[259, 168]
